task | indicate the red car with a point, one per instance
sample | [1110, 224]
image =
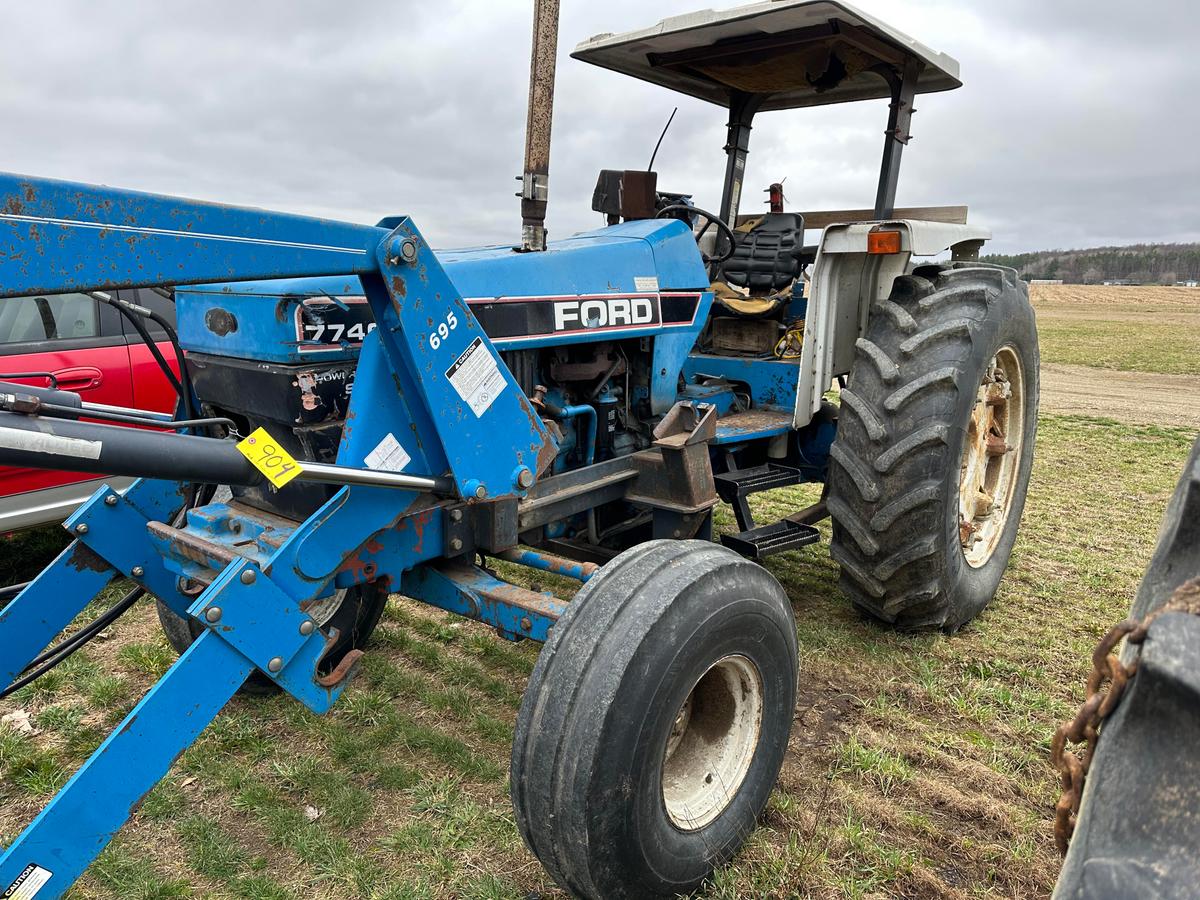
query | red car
[93, 351]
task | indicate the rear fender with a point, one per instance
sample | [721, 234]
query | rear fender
[847, 280]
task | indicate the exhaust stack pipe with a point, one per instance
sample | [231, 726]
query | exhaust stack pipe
[535, 182]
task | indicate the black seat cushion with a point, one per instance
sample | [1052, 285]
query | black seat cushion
[767, 257]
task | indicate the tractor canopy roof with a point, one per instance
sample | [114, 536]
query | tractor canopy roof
[793, 52]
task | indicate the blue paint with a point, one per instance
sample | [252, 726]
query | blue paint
[557, 565]
[588, 414]
[471, 592]
[772, 383]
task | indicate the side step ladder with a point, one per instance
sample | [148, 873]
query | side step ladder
[756, 542]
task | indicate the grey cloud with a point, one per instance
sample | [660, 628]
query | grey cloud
[1074, 126]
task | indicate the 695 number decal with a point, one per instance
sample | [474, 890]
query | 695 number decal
[443, 330]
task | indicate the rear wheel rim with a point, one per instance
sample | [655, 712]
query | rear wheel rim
[991, 457]
[712, 743]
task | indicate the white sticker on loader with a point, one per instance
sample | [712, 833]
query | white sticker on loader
[28, 884]
[646, 284]
[388, 455]
[36, 442]
[476, 377]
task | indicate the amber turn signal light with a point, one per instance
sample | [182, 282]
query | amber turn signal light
[883, 242]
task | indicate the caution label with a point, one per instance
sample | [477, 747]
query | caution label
[28, 883]
[476, 377]
[388, 455]
[266, 454]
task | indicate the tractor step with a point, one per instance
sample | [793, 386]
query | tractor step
[767, 540]
[743, 482]
[734, 487]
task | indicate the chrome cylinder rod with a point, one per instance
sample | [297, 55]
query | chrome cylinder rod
[329, 474]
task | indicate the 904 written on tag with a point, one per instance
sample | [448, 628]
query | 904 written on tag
[266, 455]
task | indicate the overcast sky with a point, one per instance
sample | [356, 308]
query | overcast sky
[1078, 124]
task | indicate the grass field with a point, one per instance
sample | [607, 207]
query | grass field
[1142, 329]
[917, 766]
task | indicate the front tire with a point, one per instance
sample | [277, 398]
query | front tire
[935, 445]
[655, 722]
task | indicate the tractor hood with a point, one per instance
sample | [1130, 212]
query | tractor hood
[638, 277]
[623, 258]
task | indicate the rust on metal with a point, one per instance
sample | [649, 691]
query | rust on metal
[556, 565]
[544, 605]
[1105, 686]
[343, 670]
[191, 546]
[85, 559]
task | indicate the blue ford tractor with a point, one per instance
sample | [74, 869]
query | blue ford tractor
[361, 415]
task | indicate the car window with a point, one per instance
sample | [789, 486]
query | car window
[48, 317]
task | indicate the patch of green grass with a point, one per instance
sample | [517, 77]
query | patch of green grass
[44, 690]
[105, 691]
[884, 768]
[211, 852]
[23, 554]
[38, 772]
[873, 859]
[129, 875]
[1115, 344]
[149, 658]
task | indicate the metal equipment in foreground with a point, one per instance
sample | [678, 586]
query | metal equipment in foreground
[1128, 812]
[386, 417]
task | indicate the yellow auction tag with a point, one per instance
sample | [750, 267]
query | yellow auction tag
[269, 458]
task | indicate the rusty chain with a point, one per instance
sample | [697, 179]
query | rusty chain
[1107, 669]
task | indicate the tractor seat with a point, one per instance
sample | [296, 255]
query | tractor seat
[767, 259]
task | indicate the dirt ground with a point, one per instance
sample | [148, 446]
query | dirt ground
[1138, 398]
[1114, 295]
[1108, 325]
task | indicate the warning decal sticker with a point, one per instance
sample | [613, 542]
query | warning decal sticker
[28, 884]
[476, 377]
[388, 455]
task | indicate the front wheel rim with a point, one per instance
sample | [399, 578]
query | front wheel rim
[991, 457]
[712, 742]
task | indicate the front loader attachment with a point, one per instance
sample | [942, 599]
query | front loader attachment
[249, 580]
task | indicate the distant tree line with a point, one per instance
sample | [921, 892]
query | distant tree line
[1140, 263]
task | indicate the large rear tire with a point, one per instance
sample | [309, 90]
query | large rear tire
[655, 722]
[935, 444]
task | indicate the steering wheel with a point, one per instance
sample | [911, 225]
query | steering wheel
[710, 220]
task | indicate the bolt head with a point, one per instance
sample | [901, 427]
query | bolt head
[275, 665]
[212, 614]
[456, 544]
[524, 478]
[307, 627]
[81, 528]
[402, 250]
[456, 515]
[110, 500]
[480, 492]
[248, 576]
[137, 572]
